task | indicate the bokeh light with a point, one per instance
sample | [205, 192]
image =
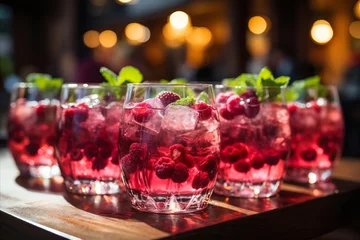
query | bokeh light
[199, 37]
[108, 38]
[91, 39]
[354, 29]
[321, 32]
[257, 25]
[357, 9]
[127, 1]
[137, 33]
[179, 20]
[174, 37]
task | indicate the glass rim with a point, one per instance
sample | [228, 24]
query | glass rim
[89, 85]
[170, 85]
[249, 87]
[23, 85]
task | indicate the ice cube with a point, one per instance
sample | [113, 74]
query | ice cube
[154, 102]
[90, 100]
[179, 118]
[26, 114]
[94, 119]
[114, 113]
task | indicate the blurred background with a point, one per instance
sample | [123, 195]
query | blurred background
[201, 40]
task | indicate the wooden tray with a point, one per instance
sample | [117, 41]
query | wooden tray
[41, 209]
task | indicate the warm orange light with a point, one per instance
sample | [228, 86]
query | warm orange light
[91, 39]
[321, 32]
[174, 37]
[108, 38]
[98, 3]
[199, 37]
[354, 29]
[257, 25]
[125, 1]
[137, 33]
[179, 20]
[357, 9]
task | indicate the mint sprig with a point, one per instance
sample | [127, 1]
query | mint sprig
[187, 101]
[174, 81]
[203, 97]
[300, 89]
[48, 86]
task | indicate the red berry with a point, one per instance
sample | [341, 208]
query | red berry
[244, 151]
[223, 97]
[151, 163]
[106, 151]
[332, 154]
[252, 107]
[115, 157]
[205, 111]
[76, 154]
[164, 168]
[324, 142]
[98, 164]
[188, 160]
[201, 180]
[51, 140]
[91, 150]
[139, 152]
[32, 148]
[284, 154]
[235, 106]
[177, 151]
[247, 94]
[270, 130]
[41, 112]
[142, 112]
[242, 166]
[230, 154]
[128, 164]
[208, 164]
[167, 97]
[309, 155]
[257, 161]
[17, 136]
[224, 113]
[292, 108]
[271, 157]
[180, 173]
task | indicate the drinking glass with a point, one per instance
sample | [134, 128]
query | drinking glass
[169, 150]
[32, 131]
[316, 135]
[87, 141]
[255, 140]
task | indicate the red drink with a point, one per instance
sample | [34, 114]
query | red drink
[87, 145]
[169, 153]
[31, 135]
[255, 139]
[316, 141]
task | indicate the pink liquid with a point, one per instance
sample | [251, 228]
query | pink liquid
[316, 141]
[88, 155]
[169, 165]
[31, 130]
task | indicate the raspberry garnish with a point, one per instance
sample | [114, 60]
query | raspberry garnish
[98, 164]
[247, 94]
[242, 166]
[91, 150]
[208, 164]
[177, 151]
[76, 154]
[164, 168]
[115, 157]
[142, 112]
[167, 97]
[271, 157]
[244, 151]
[223, 97]
[252, 107]
[201, 180]
[235, 106]
[180, 173]
[257, 161]
[224, 113]
[128, 164]
[32, 148]
[230, 154]
[309, 155]
[106, 151]
[138, 152]
[205, 111]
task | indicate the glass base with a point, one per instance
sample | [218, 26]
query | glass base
[170, 203]
[93, 187]
[40, 171]
[247, 189]
[308, 175]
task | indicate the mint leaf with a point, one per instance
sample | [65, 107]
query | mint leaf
[48, 86]
[264, 75]
[290, 95]
[178, 81]
[187, 101]
[302, 87]
[306, 83]
[129, 74]
[32, 77]
[164, 81]
[109, 76]
[204, 97]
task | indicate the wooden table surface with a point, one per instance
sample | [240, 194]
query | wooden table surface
[41, 209]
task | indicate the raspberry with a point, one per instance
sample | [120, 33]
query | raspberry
[242, 166]
[324, 142]
[32, 148]
[188, 160]
[201, 180]
[284, 154]
[208, 164]
[91, 150]
[309, 155]
[332, 154]
[180, 174]
[142, 112]
[177, 151]
[41, 112]
[76, 154]
[81, 113]
[167, 97]
[231, 154]
[257, 161]
[138, 152]
[270, 130]
[271, 157]
[247, 94]
[98, 164]
[235, 106]
[164, 167]
[151, 163]
[205, 111]
[115, 157]
[244, 151]
[51, 140]
[128, 164]
[224, 113]
[223, 97]
[252, 107]
[105, 152]
[17, 136]
[64, 145]
[292, 108]
[81, 134]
